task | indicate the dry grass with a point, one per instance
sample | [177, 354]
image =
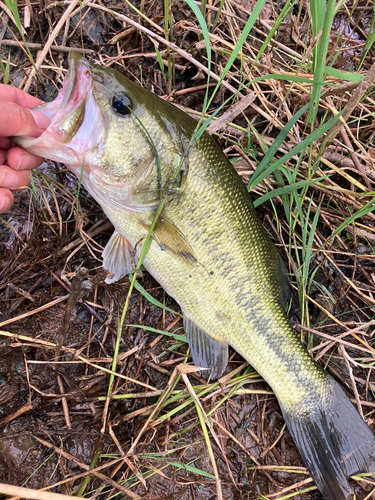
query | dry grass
[58, 324]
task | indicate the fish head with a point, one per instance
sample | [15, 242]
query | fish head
[118, 137]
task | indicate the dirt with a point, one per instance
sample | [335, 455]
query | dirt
[49, 407]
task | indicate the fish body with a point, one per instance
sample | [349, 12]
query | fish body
[209, 251]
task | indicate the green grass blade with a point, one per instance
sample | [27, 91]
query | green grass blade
[12, 6]
[206, 37]
[5, 70]
[370, 38]
[275, 146]
[281, 17]
[366, 209]
[322, 17]
[190, 468]
[180, 338]
[151, 299]
[296, 150]
[161, 64]
[241, 40]
[309, 246]
[343, 75]
[286, 189]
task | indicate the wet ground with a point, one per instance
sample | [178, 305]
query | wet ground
[55, 420]
[38, 267]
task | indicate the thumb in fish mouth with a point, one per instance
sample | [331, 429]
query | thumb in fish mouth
[41, 120]
[17, 116]
[16, 121]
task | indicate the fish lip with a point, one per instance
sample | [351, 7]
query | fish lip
[73, 95]
[76, 83]
[76, 89]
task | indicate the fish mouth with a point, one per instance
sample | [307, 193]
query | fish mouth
[76, 82]
[75, 118]
[74, 91]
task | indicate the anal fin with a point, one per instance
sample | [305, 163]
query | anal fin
[206, 352]
[117, 257]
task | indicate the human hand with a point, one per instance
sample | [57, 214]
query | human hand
[17, 119]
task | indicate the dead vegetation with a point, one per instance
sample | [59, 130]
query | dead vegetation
[58, 319]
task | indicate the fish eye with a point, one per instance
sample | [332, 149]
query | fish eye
[122, 104]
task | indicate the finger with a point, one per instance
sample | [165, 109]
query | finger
[19, 159]
[11, 179]
[16, 120]
[5, 143]
[12, 94]
[3, 156]
[6, 200]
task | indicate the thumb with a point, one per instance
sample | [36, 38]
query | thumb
[16, 120]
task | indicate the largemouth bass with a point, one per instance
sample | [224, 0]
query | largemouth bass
[209, 251]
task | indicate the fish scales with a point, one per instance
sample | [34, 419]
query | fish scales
[256, 326]
[209, 251]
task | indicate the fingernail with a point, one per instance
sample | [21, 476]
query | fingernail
[8, 180]
[41, 120]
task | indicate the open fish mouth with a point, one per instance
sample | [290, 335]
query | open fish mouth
[71, 99]
[74, 90]
[75, 118]
[76, 83]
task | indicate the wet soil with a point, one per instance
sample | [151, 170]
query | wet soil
[52, 412]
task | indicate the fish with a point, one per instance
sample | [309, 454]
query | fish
[208, 250]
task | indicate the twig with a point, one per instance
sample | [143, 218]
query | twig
[80, 357]
[39, 46]
[355, 390]
[348, 144]
[162, 40]
[64, 402]
[30, 405]
[94, 472]
[34, 311]
[18, 491]
[19, 290]
[77, 291]
[49, 43]
[184, 369]
[352, 103]
[166, 391]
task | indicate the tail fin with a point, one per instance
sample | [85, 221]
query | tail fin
[334, 443]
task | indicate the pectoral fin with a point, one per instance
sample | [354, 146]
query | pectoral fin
[206, 352]
[117, 257]
[170, 239]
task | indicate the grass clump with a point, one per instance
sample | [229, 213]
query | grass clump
[274, 84]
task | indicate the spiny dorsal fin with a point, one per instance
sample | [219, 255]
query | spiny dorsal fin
[206, 352]
[117, 257]
[170, 239]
